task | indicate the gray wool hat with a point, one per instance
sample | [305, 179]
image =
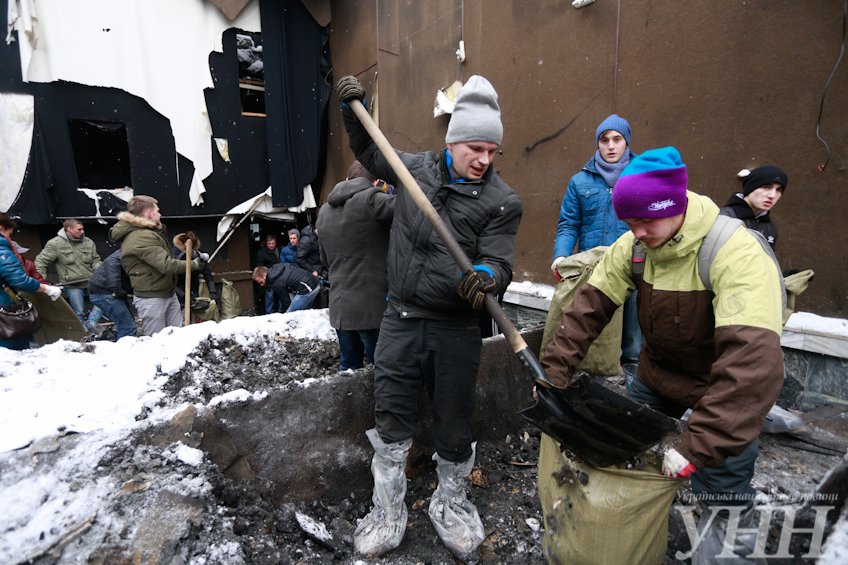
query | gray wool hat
[476, 116]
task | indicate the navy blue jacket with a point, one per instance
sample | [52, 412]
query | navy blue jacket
[109, 277]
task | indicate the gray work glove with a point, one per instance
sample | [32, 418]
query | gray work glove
[203, 256]
[349, 88]
[197, 264]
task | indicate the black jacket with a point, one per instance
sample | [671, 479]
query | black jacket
[266, 258]
[482, 215]
[194, 285]
[736, 207]
[109, 278]
[286, 278]
[354, 226]
[309, 253]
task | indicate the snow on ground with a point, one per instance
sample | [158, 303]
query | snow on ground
[806, 321]
[532, 289]
[62, 387]
[98, 388]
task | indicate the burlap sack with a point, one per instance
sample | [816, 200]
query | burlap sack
[230, 301]
[603, 356]
[603, 515]
[795, 285]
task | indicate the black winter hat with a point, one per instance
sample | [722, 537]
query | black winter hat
[762, 176]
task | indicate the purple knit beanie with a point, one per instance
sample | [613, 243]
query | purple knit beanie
[652, 186]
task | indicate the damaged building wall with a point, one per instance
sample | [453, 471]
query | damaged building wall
[133, 97]
[732, 85]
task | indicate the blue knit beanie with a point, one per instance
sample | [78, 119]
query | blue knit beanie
[614, 122]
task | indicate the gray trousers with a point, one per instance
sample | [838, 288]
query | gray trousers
[158, 313]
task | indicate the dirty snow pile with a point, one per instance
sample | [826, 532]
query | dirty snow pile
[98, 390]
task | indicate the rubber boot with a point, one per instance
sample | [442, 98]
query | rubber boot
[383, 528]
[455, 518]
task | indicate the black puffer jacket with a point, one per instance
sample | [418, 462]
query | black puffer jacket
[286, 278]
[736, 207]
[482, 215]
[110, 278]
[309, 252]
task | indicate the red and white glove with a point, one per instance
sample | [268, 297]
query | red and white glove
[676, 466]
[555, 267]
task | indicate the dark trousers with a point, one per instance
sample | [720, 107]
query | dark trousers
[356, 346]
[728, 484]
[441, 355]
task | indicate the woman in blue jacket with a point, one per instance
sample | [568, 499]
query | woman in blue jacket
[12, 274]
[587, 218]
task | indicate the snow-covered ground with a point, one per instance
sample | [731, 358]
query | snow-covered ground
[96, 390]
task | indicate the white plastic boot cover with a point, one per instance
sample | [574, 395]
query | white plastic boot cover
[383, 528]
[715, 548]
[455, 518]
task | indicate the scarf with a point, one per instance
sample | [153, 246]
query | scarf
[611, 171]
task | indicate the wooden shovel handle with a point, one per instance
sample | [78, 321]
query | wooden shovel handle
[187, 300]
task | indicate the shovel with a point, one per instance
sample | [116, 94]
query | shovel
[598, 425]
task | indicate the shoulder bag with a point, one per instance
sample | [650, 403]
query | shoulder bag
[20, 319]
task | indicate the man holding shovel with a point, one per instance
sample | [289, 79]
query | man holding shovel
[714, 351]
[429, 336]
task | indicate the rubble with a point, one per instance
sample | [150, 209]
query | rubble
[199, 487]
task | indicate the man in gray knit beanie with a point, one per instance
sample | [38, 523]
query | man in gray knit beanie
[476, 116]
[429, 335]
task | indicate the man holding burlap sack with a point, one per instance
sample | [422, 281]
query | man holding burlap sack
[714, 351]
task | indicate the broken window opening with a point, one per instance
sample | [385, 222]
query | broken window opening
[101, 154]
[251, 74]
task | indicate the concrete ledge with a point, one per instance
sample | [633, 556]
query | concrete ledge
[817, 334]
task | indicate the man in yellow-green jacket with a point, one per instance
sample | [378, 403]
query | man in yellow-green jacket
[714, 351]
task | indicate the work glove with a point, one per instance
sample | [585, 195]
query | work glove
[475, 284]
[349, 88]
[197, 264]
[555, 267]
[203, 256]
[54, 292]
[120, 294]
[676, 466]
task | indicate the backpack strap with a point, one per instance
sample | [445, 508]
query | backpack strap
[719, 233]
[637, 262]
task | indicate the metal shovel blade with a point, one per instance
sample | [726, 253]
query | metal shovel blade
[598, 425]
